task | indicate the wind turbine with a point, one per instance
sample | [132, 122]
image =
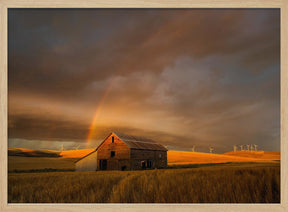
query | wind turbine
[235, 148]
[248, 145]
[62, 148]
[193, 148]
[255, 147]
[211, 149]
[77, 147]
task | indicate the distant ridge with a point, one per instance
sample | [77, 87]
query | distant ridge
[174, 157]
[48, 153]
[32, 153]
[255, 154]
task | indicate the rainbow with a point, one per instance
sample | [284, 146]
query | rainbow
[98, 110]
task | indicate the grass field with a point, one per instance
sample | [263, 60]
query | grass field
[183, 157]
[16, 163]
[230, 183]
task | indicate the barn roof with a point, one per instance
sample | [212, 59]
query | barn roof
[139, 142]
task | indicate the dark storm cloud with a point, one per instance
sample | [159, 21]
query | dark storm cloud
[70, 48]
[212, 76]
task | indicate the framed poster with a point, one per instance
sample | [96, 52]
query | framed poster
[143, 106]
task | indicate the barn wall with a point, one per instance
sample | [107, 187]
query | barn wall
[88, 163]
[137, 156]
[122, 153]
[124, 159]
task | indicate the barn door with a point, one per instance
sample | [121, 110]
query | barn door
[143, 164]
[103, 164]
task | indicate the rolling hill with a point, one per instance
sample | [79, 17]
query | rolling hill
[75, 153]
[174, 157]
[32, 153]
[182, 157]
[48, 153]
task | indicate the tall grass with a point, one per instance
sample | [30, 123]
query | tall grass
[198, 185]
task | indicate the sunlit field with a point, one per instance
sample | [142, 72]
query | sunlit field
[182, 157]
[230, 183]
[75, 153]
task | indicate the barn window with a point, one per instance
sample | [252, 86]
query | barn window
[112, 139]
[112, 154]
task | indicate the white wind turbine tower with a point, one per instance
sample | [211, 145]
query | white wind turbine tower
[193, 148]
[77, 147]
[211, 149]
[235, 148]
[62, 148]
[241, 146]
[248, 145]
[255, 147]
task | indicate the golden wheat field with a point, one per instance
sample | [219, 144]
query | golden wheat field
[229, 183]
[233, 177]
[184, 157]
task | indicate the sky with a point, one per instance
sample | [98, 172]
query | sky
[183, 77]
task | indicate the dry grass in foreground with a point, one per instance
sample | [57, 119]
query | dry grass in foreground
[218, 184]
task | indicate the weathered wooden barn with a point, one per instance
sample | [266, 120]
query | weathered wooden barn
[124, 152]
